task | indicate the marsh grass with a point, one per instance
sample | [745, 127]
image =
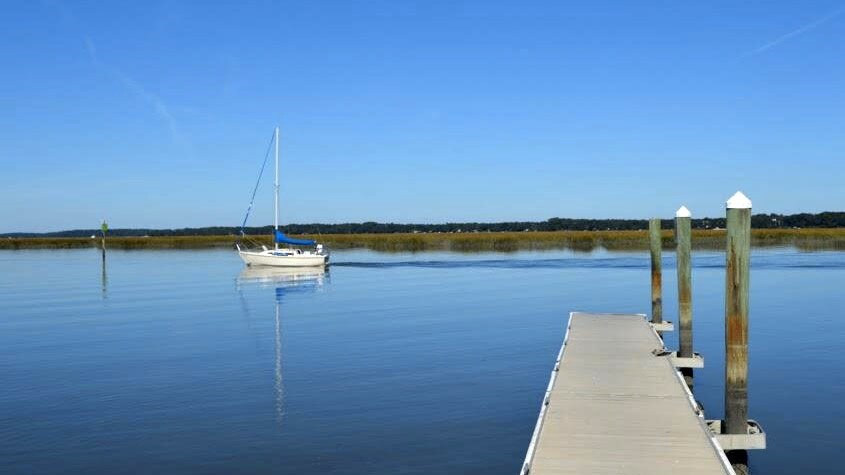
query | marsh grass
[579, 241]
[157, 242]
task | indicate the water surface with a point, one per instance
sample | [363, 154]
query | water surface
[182, 362]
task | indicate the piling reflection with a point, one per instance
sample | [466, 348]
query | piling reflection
[285, 282]
[104, 280]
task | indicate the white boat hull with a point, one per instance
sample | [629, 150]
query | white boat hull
[281, 258]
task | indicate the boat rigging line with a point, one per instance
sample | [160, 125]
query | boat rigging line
[257, 182]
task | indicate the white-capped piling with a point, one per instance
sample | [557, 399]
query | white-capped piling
[683, 231]
[736, 313]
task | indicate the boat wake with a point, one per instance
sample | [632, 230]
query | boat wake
[705, 262]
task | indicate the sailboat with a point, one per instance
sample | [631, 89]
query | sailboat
[296, 252]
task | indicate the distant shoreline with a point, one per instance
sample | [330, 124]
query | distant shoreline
[826, 219]
[804, 239]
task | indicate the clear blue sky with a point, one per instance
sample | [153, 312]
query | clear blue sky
[156, 114]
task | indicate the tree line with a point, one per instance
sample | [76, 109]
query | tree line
[760, 221]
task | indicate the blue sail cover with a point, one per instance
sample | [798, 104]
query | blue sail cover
[282, 239]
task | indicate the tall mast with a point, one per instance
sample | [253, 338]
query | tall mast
[276, 215]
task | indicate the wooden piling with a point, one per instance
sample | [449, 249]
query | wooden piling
[736, 314]
[104, 228]
[655, 241]
[683, 225]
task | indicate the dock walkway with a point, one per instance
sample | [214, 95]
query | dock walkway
[613, 406]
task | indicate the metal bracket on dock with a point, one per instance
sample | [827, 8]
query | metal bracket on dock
[755, 438]
[663, 326]
[697, 361]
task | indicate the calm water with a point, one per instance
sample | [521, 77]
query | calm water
[180, 362]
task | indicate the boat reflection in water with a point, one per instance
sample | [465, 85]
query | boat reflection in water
[294, 278]
[285, 281]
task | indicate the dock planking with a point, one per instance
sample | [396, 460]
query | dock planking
[612, 406]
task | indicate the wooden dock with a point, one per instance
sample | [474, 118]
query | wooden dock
[614, 406]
